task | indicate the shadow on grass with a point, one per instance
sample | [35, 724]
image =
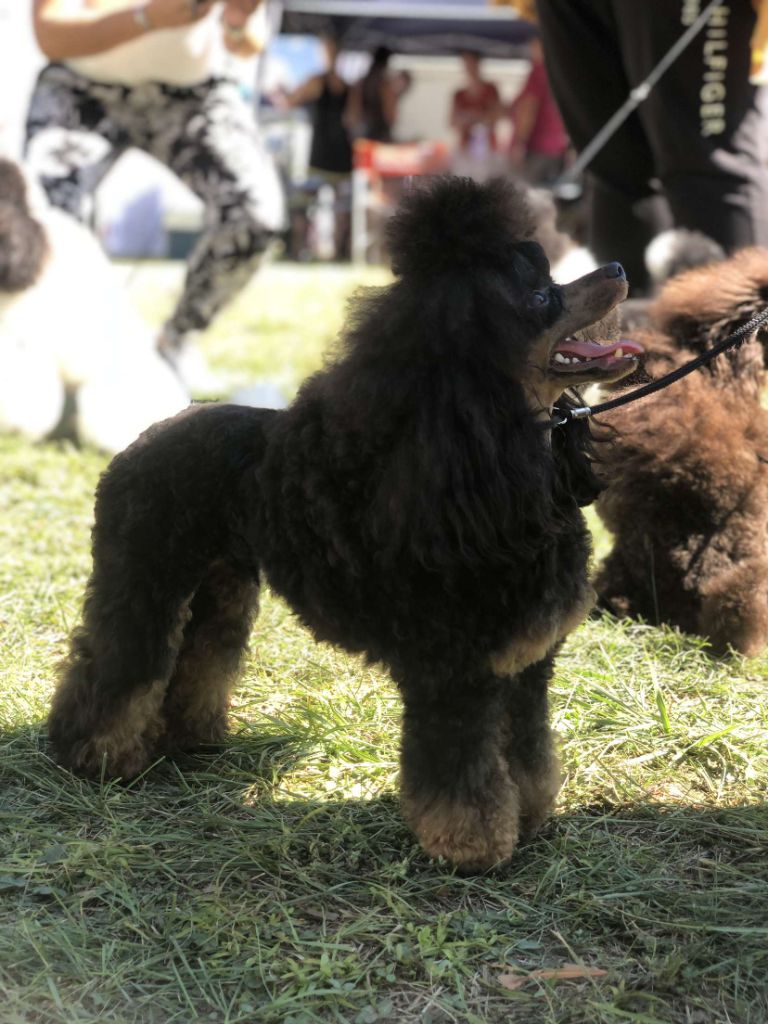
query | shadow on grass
[240, 786]
[208, 864]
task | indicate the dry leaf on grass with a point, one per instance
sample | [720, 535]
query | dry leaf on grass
[565, 973]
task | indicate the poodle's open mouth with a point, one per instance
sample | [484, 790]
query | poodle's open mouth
[582, 357]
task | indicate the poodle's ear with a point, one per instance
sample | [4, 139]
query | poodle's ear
[573, 447]
[23, 249]
[455, 224]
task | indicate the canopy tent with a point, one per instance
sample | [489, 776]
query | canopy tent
[412, 26]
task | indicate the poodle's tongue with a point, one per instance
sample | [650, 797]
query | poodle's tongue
[586, 350]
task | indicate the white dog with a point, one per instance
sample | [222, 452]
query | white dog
[67, 326]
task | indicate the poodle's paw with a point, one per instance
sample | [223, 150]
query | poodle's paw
[617, 605]
[734, 611]
[100, 757]
[120, 745]
[187, 734]
[538, 792]
[472, 836]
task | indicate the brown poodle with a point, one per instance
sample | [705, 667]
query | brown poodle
[687, 495]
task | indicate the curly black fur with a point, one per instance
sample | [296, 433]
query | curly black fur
[407, 506]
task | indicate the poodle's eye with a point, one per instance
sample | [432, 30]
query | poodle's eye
[538, 299]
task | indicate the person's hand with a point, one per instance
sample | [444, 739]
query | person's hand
[172, 13]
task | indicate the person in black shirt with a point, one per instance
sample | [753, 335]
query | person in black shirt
[328, 95]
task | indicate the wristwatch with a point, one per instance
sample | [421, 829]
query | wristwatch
[141, 17]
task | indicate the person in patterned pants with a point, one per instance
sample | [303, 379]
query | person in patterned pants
[162, 88]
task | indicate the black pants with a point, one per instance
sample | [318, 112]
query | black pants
[694, 153]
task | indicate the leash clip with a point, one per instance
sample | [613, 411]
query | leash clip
[564, 417]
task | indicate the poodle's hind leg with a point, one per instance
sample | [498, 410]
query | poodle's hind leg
[215, 639]
[617, 591]
[734, 609]
[456, 790]
[106, 714]
[528, 744]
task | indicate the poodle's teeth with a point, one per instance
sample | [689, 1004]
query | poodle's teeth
[619, 353]
[560, 358]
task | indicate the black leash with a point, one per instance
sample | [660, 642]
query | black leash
[564, 416]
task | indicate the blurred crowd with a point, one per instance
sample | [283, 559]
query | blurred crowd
[158, 77]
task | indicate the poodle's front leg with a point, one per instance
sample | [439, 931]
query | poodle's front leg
[456, 791]
[528, 745]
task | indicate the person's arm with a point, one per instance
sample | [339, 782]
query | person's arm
[494, 110]
[524, 112]
[65, 30]
[307, 92]
[461, 116]
[352, 118]
[389, 98]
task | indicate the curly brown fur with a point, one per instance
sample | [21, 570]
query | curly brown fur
[408, 505]
[687, 494]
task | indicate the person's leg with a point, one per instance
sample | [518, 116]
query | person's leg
[705, 123]
[589, 82]
[207, 136]
[71, 139]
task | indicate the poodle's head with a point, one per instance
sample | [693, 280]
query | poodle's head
[466, 251]
[23, 246]
[701, 307]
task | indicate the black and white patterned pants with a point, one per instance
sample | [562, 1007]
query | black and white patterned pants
[205, 134]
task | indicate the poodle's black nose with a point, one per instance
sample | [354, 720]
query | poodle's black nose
[614, 270]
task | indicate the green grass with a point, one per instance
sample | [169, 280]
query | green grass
[275, 882]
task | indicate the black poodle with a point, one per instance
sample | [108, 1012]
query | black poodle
[410, 505]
